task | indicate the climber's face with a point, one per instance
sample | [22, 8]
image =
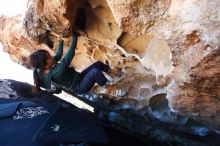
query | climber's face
[50, 62]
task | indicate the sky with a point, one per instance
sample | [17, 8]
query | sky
[10, 69]
[12, 7]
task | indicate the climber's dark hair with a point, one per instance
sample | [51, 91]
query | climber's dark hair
[38, 59]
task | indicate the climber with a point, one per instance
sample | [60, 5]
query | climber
[49, 72]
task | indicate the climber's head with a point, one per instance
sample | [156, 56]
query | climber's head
[41, 59]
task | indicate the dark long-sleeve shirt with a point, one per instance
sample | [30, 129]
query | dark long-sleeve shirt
[59, 51]
[61, 73]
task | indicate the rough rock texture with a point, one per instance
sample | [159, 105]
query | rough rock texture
[13, 38]
[191, 30]
[49, 16]
[169, 48]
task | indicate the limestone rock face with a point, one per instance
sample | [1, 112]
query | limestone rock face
[43, 17]
[191, 31]
[136, 16]
[14, 39]
[165, 48]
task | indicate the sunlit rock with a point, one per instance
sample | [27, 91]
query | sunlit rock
[15, 40]
[136, 16]
[152, 52]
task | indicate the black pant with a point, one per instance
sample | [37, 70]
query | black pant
[91, 75]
